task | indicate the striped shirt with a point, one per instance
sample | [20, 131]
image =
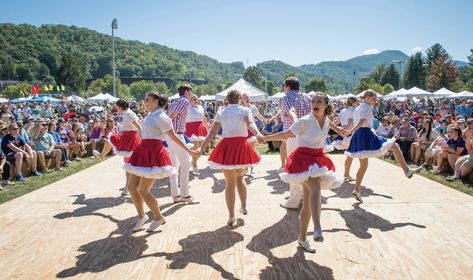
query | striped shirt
[181, 105]
[297, 101]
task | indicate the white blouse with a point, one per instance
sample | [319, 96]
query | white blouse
[345, 115]
[156, 125]
[311, 135]
[195, 114]
[232, 119]
[363, 111]
[128, 117]
[384, 131]
[254, 110]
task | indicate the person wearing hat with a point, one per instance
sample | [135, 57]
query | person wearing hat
[44, 146]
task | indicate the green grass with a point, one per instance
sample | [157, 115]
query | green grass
[34, 183]
[458, 185]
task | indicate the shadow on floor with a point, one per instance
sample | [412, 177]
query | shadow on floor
[284, 232]
[90, 205]
[346, 189]
[359, 221]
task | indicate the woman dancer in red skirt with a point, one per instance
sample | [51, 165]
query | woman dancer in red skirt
[150, 160]
[233, 154]
[123, 144]
[196, 127]
[309, 165]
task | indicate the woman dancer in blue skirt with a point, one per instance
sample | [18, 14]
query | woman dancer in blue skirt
[365, 143]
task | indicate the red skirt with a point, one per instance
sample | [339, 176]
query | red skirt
[125, 143]
[251, 137]
[233, 153]
[196, 131]
[151, 160]
[305, 163]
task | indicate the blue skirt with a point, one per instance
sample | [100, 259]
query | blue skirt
[365, 144]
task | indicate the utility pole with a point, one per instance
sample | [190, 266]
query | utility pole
[400, 62]
[114, 26]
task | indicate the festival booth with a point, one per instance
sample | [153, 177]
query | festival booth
[45, 99]
[463, 94]
[276, 96]
[254, 93]
[174, 97]
[3, 100]
[21, 99]
[442, 93]
[395, 94]
[75, 98]
[207, 98]
[103, 97]
[416, 92]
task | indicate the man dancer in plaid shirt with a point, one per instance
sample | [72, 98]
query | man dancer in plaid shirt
[294, 105]
[179, 157]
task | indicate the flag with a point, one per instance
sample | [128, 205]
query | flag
[35, 89]
[63, 88]
[45, 88]
[57, 88]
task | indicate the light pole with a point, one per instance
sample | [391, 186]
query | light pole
[354, 81]
[400, 62]
[114, 26]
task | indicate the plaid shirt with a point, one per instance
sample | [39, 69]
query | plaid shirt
[298, 102]
[181, 105]
[409, 133]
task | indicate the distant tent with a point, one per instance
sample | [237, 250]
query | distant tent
[3, 100]
[254, 93]
[443, 92]
[463, 94]
[21, 99]
[45, 99]
[277, 96]
[174, 97]
[103, 97]
[207, 98]
[75, 98]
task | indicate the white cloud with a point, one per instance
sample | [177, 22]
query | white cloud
[417, 49]
[371, 51]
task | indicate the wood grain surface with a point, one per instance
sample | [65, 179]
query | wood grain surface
[80, 228]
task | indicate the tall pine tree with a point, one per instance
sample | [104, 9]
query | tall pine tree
[433, 53]
[444, 73]
[415, 74]
[391, 76]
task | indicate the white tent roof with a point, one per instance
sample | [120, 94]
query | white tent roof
[463, 94]
[277, 96]
[175, 96]
[243, 86]
[103, 97]
[395, 94]
[3, 100]
[75, 98]
[443, 92]
[416, 92]
[207, 98]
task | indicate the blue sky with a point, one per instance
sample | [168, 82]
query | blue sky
[296, 32]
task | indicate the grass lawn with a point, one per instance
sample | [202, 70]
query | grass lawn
[34, 183]
[458, 185]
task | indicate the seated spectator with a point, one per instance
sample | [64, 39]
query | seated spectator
[463, 109]
[461, 123]
[77, 135]
[424, 139]
[407, 136]
[95, 132]
[443, 127]
[451, 151]
[64, 135]
[58, 144]
[464, 164]
[385, 129]
[396, 123]
[5, 171]
[13, 148]
[44, 146]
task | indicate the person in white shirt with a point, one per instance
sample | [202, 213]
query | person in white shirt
[233, 154]
[365, 143]
[150, 160]
[346, 121]
[196, 127]
[309, 165]
[124, 143]
[385, 129]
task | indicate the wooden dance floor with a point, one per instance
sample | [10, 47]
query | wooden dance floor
[80, 227]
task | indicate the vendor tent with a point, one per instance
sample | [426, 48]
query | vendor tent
[207, 98]
[416, 92]
[3, 100]
[395, 94]
[175, 96]
[463, 94]
[277, 96]
[45, 99]
[75, 98]
[254, 93]
[443, 92]
[103, 97]
[21, 99]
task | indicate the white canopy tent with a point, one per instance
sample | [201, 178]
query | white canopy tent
[207, 98]
[463, 94]
[255, 94]
[103, 97]
[3, 100]
[395, 94]
[174, 97]
[75, 98]
[443, 92]
[277, 96]
[416, 92]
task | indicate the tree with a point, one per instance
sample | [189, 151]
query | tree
[368, 83]
[444, 73]
[378, 73]
[24, 73]
[72, 73]
[139, 88]
[388, 88]
[253, 76]
[391, 76]
[315, 84]
[415, 74]
[433, 53]
[18, 90]
[106, 85]
[8, 70]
